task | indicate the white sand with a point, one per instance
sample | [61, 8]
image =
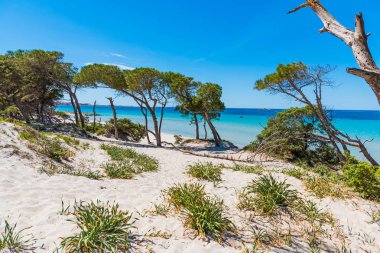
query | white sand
[33, 199]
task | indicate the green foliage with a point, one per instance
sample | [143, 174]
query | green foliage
[323, 186]
[206, 171]
[13, 240]
[290, 136]
[363, 177]
[30, 80]
[202, 213]
[267, 195]
[127, 130]
[257, 169]
[293, 71]
[293, 172]
[44, 145]
[178, 139]
[127, 162]
[69, 140]
[209, 96]
[103, 228]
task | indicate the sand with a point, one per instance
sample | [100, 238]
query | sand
[33, 199]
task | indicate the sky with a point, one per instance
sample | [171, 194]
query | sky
[232, 43]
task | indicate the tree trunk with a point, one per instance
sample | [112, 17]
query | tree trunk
[94, 122]
[217, 139]
[157, 133]
[356, 40]
[79, 111]
[114, 117]
[74, 109]
[205, 128]
[196, 126]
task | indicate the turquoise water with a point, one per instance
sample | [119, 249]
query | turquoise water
[240, 126]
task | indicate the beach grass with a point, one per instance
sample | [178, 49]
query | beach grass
[255, 169]
[205, 171]
[126, 162]
[201, 212]
[103, 227]
[267, 195]
[14, 240]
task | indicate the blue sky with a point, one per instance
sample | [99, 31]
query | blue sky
[232, 43]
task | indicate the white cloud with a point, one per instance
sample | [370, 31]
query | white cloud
[118, 55]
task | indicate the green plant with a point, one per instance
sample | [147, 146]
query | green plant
[202, 213]
[293, 172]
[206, 171]
[364, 178]
[53, 149]
[103, 228]
[160, 209]
[267, 195]
[69, 140]
[180, 195]
[258, 169]
[14, 240]
[127, 162]
[178, 139]
[314, 214]
[126, 129]
[323, 187]
[119, 169]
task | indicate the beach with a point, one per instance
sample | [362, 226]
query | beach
[35, 200]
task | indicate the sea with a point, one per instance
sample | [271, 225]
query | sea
[241, 125]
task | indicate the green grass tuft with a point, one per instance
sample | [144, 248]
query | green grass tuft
[103, 228]
[206, 171]
[267, 196]
[13, 240]
[202, 213]
[258, 169]
[126, 162]
[324, 187]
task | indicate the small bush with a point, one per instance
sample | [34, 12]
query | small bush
[53, 149]
[127, 130]
[202, 213]
[69, 140]
[103, 228]
[258, 169]
[364, 178]
[267, 195]
[178, 139]
[13, 240]
[206, 171]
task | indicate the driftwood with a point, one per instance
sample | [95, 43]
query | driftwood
[222, 157]
[356, 39]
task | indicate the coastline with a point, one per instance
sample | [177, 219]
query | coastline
[34, 199]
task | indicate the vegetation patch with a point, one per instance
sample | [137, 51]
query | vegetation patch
[201, 212]
[294, 172]
[323, 186]
[126, 162]
[103, 228]
[51, 168]
[267, 196]
[14, 240]
[257, 169]
[206, 171]
[363, 178]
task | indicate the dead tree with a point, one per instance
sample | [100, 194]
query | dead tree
[355, 39]
[114, 117]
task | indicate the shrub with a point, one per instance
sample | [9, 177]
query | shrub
[13, 240]
[293, 172]
[202, 213]
[178, 139]
[127, 130]
[206, 171]
[53, 149]
[267, 195]
[103, 228]
[364, 178]
[69, 140]
[289, 136]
